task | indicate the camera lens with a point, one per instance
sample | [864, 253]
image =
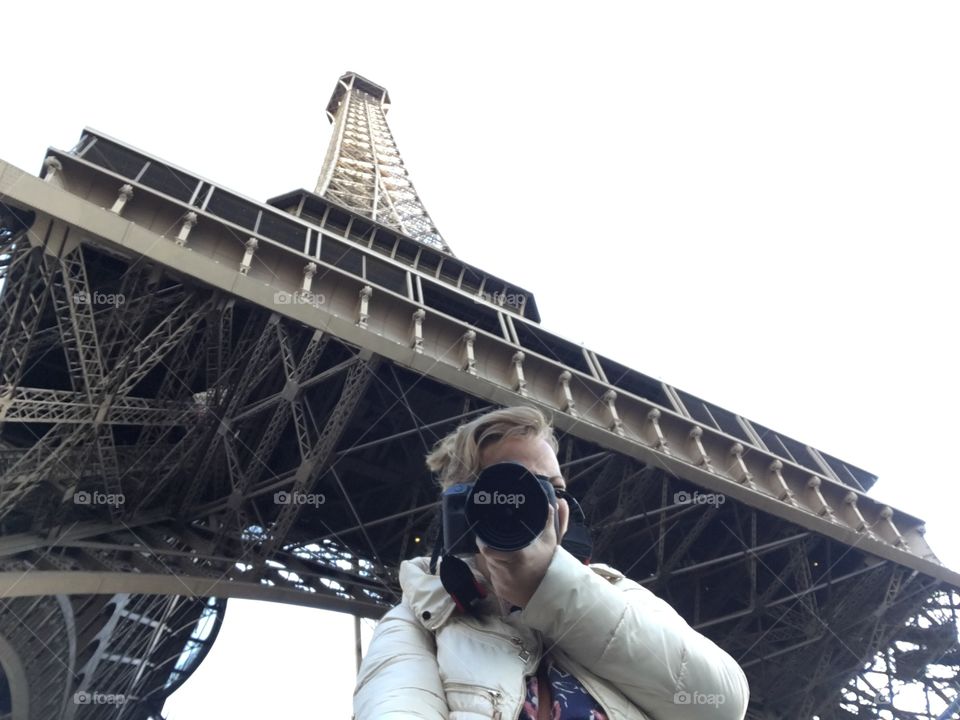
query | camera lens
[507, 507]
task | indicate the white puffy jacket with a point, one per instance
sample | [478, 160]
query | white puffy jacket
[631, 651]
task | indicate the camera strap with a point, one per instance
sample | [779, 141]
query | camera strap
[462, 586]
[457, 579]
[437, 549]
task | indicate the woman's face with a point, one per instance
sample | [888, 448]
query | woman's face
[538, 457]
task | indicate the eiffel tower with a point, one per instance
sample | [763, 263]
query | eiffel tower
[205, 397]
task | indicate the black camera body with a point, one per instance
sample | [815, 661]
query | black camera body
[506, 508]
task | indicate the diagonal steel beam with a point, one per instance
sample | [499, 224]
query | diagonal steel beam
[73, 301]
[689, 538]
[50, 450]
[245, 383]
[313, 465]
[22, 301]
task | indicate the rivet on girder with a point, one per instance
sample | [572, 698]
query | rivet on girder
[52, 166]
[469, 360]
[309, 270]
[251, 246]
[816, 498]
[854, 516]
[886, 520]
[189, 220]
[741, 472]
[700, 453]
[614, 423]
[519, 381]
[781, 490]
[123, 197]
[416, 331]
[566, 397]
[364, 310]
[658, 441]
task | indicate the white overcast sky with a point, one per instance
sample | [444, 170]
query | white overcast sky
[756, 202]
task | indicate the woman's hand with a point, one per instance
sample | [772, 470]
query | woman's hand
[516, 575]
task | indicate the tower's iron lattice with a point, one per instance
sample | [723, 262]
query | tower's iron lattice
[363, 170]
[204, 397]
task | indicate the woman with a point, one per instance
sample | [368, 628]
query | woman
[553, 638]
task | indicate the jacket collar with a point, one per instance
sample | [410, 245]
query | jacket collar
[427, 597]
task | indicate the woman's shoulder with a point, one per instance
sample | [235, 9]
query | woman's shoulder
[607, 572]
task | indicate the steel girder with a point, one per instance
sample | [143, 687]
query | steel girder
[792, 571]
[477, 362]
[670, 438]
[43, 405]
[36, 642]
[756, 591]
[199, 554]
[100, 656]
[20, 312]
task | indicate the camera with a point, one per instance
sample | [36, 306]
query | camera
[506, 508]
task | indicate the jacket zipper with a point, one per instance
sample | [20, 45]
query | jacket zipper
[522, 652]
[495, 696]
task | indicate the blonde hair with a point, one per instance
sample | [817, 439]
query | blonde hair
[456, 458]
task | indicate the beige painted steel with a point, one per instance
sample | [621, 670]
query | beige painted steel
[84, 582]
[471, 360]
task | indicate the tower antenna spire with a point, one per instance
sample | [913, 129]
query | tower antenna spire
[363, 170]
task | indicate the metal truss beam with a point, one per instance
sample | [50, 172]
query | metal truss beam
[87, 561]
[500, 371]
[21, 307]
[86, 368]
[315, 462]
[42, 405]
[201, 406]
